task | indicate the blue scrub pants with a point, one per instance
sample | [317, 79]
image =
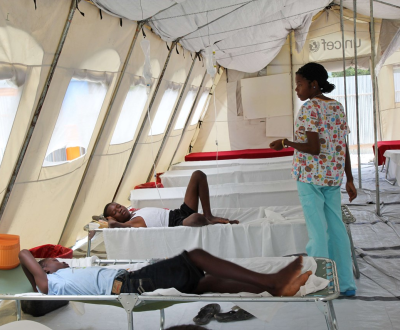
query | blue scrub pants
[326, 230]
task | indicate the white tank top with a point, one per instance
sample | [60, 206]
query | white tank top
[152, 216]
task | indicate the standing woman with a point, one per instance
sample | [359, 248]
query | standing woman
[319, 162]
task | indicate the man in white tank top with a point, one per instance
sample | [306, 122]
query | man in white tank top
[119, 216]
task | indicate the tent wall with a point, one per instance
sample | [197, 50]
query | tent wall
[389, 109]
[43, 195]
[234, 132]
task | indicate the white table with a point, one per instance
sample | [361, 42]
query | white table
[230, 174]
[392, 166]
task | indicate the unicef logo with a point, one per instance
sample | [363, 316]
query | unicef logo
[314, 46]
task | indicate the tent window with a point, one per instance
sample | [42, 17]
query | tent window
[396, 74]
[10, 94]
[130, 114]
[187, 105]
[75, 124]
[164, 109]
[200, 107]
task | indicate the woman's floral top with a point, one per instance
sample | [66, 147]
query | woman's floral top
[328, 119]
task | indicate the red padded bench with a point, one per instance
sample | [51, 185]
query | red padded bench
[383, 146]
[246, 154]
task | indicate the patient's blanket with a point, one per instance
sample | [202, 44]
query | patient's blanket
[257, 235]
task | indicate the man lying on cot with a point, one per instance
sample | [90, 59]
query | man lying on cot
[119, 216]
[195, 272]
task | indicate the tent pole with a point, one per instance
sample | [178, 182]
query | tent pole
[168, 131]
[188, 119]
[344, 58]
[373, 78]
[109, 108]
[144, 122]
[38, 109]
[291, 75]
[379, 111]
[356, 87]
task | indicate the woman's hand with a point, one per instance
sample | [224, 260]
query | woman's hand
[351, 190]
[276, 145]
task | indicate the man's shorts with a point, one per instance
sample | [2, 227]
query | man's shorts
[178, 272]
[177, 216]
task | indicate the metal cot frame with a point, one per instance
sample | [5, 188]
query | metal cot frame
[131, 301]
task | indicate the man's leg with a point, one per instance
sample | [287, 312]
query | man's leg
[238, 279]
[198, 188]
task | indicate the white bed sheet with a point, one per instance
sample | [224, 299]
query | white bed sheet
[231, 174]
[230, 195]
[262, 232]
[199, 165]
[394, 164]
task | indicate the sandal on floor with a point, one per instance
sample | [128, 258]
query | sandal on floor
[206, 314]
[232, 316]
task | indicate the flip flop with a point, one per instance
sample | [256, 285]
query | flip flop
[206, 314]
[232, 316]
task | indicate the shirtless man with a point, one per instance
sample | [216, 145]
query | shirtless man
[119, 216]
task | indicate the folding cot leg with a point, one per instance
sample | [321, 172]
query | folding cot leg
[162, 318]
[18, 305]
[128, 301]
[356, 270]
[326, 308]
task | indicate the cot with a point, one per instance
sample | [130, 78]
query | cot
[245, 153]
[232, 174]
[229, 195]
[13, 283]
[202, 164]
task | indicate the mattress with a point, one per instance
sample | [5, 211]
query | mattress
[230, 195]
[200, 165]
[231, 174]
[262, 232]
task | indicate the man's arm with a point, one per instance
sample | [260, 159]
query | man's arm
[136, 222]
[350, 188]
[33, 271]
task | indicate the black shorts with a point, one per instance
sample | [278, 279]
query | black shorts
[177, 216]
[178, 272]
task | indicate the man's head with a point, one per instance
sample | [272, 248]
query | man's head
[51, 265]
[117, 211]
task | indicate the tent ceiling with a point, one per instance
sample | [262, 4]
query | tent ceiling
[246, 35]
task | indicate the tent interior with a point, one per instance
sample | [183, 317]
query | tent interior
[98, 97]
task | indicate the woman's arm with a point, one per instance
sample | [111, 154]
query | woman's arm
[33, 271]
[312, 146]
[350, 188]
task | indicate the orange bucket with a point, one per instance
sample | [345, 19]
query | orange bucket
[9, 249]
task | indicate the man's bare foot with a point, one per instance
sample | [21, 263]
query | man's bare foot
[278, 283]
[292, 288]
[215, 220]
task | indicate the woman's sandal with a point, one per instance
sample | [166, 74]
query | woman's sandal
[232, 316]
[206, 314]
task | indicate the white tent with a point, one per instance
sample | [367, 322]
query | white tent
[50, 50]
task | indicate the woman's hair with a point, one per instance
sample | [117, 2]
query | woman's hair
[314, 71]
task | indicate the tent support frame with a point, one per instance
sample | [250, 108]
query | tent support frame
[373, 78]
[38, 109]
[169, 127]
[107, 114]
[291, 76]
[144, 122]
[188, 119]
[356, 87]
